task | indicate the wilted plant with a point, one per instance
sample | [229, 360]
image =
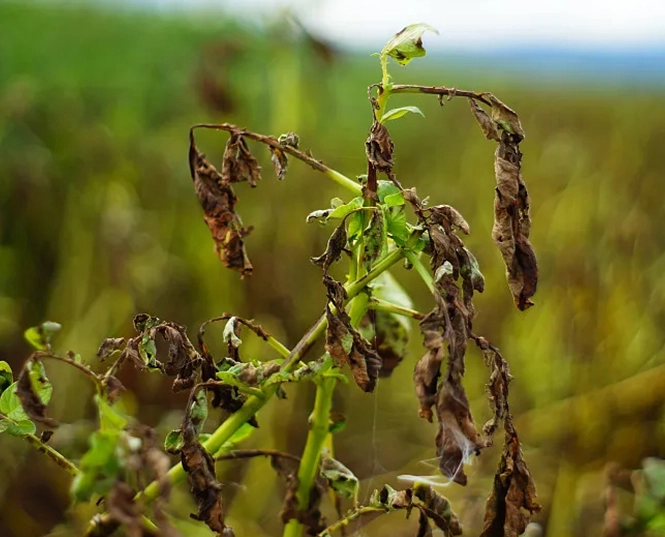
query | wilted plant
[365, 323]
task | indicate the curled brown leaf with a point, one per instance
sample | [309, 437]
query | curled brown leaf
[239, 164]
[31, 402]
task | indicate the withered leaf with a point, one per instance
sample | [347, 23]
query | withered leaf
[513, 498]
[497, 388]
[183, 360]
[109, 346]
[379, 147]
[31, 382]
[112, 387]
[451, 215]
[506, 118]
[512, 224]
[335, 247]
[347, 346]
[123, 509]
[390, 338]
[486, 123]
[239, 164]
[280, 162]
[457, 437]
[438, 508]
[375, 239]
[200, 468]
[218, 202]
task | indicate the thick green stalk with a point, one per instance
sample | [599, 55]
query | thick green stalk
[420, 269]
[52, 454]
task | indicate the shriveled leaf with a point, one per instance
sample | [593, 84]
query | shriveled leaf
[391, 499]
[340, 478]
[457, 437]
[506, 118]
[123, 509]
[486, 123]
[397, 113]
[334, 248]
[110, 346]
[280, 162]
[40, 336]
[34, 390]
[239, 164]
[451, 215]
[512, 224]
[513, 498]
[379, 147]
[438, 509]
[407, 44]
[218, 202]
[470, 269]
[497, 388]
[6, 376]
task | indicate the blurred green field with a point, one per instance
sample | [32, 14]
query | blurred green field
[99, 221]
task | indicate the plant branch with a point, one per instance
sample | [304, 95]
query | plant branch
[441, 91]
[356, 513]
[384, 305]
[421, 269]
[273, 142]
[249, 453]
[52, 454]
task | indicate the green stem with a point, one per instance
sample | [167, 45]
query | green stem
[344, 181]
[384, 305]
[52, 454]
[342, 523]
[420, 269]
[311, 457]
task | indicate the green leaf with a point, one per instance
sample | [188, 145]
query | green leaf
[6, 376]
[10, 405]
[40, 382]
[394, 200]
[40, 336]
[407, 44]
[396, 224]
[355, 227]
[376, 236]
[174, 442]
[386, 188]
[337, 210]
[397, 113]
[17, 428]
[100, 466]
[198, 410]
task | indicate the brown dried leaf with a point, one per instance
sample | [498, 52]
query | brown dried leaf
[335, 247]
[239, 164]
[123, 509]
[512, 224]
[200, 467]
[438, 508]
[506, 118]
[457, 437]
[112, 387]
[486, 123]
[280, 162]
[218, 201]
[30, 400]
[451, 215]
[379, 147]
[183, 360]
[513, 498]
[109, 346]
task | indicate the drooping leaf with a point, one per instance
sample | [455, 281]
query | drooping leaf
[337, 212]
[110, 346]
[407, 44]
[379, 147]
[375, 239]
[218, 202]
[506, 118]
[334, 248]
[17, 428]
[397, 113]
[486, 123]
[512, 223]
[438, 509]
[239, 164]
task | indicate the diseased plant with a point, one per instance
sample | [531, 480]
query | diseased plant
[365, 323]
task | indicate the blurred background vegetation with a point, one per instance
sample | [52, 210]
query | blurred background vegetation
[99, 222]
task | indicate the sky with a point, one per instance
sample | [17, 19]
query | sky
[589, 24]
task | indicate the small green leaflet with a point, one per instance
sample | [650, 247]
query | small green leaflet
[6, 377]
[341, 479]
[336, 211]
[408, 43]
[397, 113]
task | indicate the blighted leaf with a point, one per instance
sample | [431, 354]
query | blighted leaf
[110, 346]
[40, 336]
[451, 215]
[34, 389]
[438, 509]
[278, 157]
[391, 499]
[513, 498]
[486, 123]
[122, 508]
[379, 147]
[375, 242]
[470, 269]
[239, 164]
[397, 113]
[6, 376]
[334, 248]
[497, 388]
[506, 118]
[340, 478]
[218, 202]
[408, 43]
[457, 437]
[512, 224]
